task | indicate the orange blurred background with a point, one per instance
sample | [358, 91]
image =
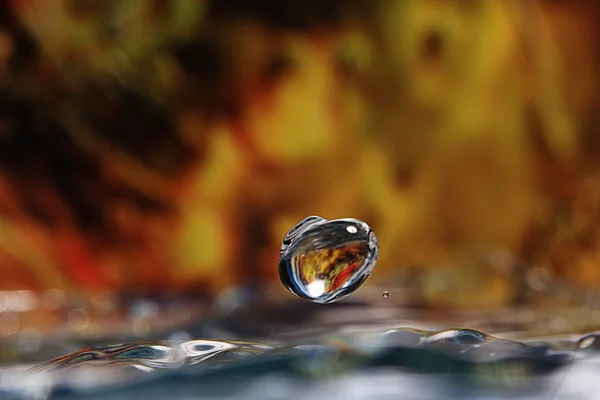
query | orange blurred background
[167, 146]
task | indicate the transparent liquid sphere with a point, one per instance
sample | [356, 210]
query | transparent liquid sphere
[324, 261]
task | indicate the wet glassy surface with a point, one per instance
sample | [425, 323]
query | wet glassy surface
[276, 347]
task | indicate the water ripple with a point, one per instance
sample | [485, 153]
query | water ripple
[468, 356]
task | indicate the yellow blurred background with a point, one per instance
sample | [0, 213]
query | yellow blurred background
[167, 146]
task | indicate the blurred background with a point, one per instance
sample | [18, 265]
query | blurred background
[164, 148]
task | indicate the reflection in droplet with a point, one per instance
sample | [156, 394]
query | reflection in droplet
[324, 261]
[316, 288]
[385, 294]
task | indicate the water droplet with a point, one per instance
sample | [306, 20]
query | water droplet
[324, 261]
[385, 294]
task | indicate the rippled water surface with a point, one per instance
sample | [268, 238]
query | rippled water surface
[300, 350]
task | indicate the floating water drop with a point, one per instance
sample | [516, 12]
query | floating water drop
[324, 261]
[385, 294]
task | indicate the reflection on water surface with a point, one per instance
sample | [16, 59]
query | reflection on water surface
[345, 356]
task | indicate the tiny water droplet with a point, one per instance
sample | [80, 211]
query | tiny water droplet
[385, 294]
[324, 261]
